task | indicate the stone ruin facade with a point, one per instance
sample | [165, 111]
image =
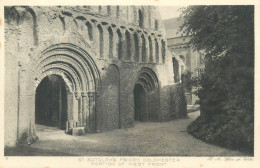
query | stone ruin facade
[94, 67]
[188, 62]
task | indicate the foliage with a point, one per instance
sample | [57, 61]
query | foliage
[226, 35]
[178, 101]
[187, 80]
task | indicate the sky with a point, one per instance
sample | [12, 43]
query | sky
[169, 11]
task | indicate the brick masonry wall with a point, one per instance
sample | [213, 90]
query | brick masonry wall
[109, 40]
[110, 94]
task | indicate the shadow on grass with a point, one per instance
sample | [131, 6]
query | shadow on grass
[25, 150]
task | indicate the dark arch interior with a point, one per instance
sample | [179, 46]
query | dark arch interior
[51, 102]
[139, 103]
[175, 69]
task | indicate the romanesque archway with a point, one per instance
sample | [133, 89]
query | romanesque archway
[146, 98]
[139, 102]
[51, 102]
[74, 69]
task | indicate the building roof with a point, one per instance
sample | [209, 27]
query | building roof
[172, 27]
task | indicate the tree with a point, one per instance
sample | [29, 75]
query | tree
[226, 35]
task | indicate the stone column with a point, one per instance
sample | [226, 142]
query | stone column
[123, 48]
[32, 136]
[140, 46]
[147, 51]
[145, 18]
[60, 104]
[69, 24]
[113, 11]
[31, 97]
[105, 41]
[160, 50]
[70, 106]
[135, 12]
[128, 46]
[84, 108]
[95, 34]
[92, 114]
[75, 108]
[78, 98]
[115, 40]
[98, 111]
[156, 45]
[26, 115]
[153, 51]
[132, 49]
[163, 50]
[25, 106]
[94, 8]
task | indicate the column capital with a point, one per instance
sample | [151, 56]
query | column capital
[84, 94]
[91, 94]
[77, 95]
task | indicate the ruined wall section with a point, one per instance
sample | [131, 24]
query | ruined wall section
[113, 35]
[125, 14]
[11, 82]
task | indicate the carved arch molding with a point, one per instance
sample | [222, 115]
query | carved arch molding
[81, 76]
[150, 105]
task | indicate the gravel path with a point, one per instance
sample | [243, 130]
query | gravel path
[144, 139]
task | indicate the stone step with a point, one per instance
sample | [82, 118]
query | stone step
[78, 131]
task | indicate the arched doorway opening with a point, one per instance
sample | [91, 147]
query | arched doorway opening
[51, 102]
[175, 64]
[78, 85]
[146, 96]
[139, 103]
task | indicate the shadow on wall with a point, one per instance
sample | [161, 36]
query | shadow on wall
[179, 100]
[51, 102]
[139, 103]
[157, 104]
[110, 103]
[146, 96]
[176, 107]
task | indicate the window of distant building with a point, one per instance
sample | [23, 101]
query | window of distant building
[175, 70]
[182, 58]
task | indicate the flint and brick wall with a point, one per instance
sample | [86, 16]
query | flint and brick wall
[100, 52]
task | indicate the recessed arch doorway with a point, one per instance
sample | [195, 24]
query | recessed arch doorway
[51, 102]
[146, 96]
[139, 102]
[68, 78]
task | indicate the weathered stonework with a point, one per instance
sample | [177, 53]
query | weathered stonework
[100, 55]
[187, 60]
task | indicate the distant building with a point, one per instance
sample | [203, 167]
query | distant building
[180, 49]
